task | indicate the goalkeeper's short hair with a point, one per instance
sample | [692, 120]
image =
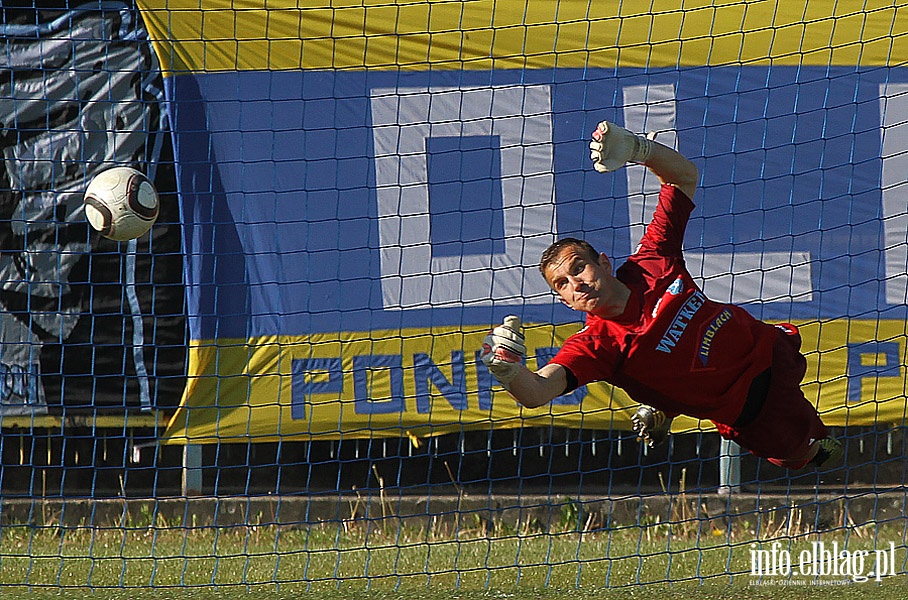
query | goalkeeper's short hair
[552, 252]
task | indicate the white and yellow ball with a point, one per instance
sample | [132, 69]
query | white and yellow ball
[121, 203]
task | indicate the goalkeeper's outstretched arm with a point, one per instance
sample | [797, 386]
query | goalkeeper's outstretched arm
[672, 167]
[539, 388]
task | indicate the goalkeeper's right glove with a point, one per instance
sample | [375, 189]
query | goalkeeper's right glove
[613, 147]
[503, 350]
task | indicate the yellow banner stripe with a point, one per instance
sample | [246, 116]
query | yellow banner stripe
[227, 35]
[242, 390]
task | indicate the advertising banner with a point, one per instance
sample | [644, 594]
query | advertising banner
[366, 191]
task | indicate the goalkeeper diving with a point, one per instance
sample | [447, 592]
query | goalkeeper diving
[652, 332]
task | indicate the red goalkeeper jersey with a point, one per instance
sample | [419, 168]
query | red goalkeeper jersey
[672, 348]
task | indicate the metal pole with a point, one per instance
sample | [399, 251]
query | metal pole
[192, 470]
[729, 467]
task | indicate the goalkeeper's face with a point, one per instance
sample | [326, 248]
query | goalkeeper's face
[586, 283]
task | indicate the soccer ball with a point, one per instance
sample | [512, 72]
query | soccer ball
[121, 203]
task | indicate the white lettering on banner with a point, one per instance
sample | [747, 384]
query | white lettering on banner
[403, 119]
[894, 132]
[739, 277]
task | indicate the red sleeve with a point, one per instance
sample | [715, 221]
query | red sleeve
[665, 233]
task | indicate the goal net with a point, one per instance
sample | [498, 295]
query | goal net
[353, 193]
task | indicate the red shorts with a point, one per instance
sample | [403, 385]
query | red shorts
[787, 423]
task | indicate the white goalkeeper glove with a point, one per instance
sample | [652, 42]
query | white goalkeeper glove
[503, 350]
[613, 147]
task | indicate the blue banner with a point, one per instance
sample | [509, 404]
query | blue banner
[328, 201]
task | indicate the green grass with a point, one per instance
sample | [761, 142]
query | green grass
[704, 592]
[364, 560]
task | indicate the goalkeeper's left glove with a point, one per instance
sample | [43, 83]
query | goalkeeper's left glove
[651, 425]
[503, 350]
[613, 147]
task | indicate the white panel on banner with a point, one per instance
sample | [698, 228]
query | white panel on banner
[894, 117]
[740, 277]
[520, 117]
